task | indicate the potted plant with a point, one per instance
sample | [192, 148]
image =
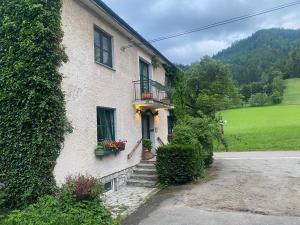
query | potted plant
[100, 149]
[147, 146]
[147, 95]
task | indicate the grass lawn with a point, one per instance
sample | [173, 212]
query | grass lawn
[263, 128]
[292, 92]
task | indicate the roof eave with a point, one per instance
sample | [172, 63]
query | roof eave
[127, 27]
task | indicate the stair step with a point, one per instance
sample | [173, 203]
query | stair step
[144, 171]
[141, 183]
[148, 162]
[146, 166]
[143, 177]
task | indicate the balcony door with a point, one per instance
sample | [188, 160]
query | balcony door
[144, 77]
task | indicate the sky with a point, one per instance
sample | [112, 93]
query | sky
[157, 18]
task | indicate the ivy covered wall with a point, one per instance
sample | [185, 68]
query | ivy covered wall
[32, 108]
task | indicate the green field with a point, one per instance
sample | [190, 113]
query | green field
[292, 92]
[266, 128]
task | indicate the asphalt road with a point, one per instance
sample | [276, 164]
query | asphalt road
[256, 188]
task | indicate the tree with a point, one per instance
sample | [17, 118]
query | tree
[292, 65]
[259, 99]
[209, 88]
[270, 76]
[264, 51]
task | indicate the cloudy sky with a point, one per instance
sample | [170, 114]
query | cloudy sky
[156, 18]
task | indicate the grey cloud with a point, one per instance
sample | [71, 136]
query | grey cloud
[156, 18]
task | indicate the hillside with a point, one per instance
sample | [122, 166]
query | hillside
[266, 128]
[292, 92]
[264, 50]
[263, 128]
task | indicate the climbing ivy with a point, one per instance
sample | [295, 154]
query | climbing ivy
[32, 108]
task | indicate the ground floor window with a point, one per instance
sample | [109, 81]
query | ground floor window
[109, 186]
[171, 120]
[105, 124]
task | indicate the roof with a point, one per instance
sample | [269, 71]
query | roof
[126, 26]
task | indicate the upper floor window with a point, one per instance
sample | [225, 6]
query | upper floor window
[103, 47]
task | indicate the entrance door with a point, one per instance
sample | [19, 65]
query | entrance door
[148, 128]
[144, 77]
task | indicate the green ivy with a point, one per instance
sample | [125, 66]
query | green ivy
[32, 107]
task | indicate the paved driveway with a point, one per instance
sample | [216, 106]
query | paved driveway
[257, 188]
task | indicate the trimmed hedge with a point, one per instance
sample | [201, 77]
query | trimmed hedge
[179, 164]
[32, 108]
[51, 210]
[198, 132]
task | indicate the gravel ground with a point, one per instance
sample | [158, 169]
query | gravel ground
[260, 188]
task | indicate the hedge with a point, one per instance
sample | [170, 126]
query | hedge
[32, 108]
[178, 164]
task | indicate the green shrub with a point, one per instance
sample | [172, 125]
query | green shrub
[259, 99]
[178, 164]
[82, 187]
[32, 107]
[276, 97]
[52, 211]
[2, 197]
[200, 132]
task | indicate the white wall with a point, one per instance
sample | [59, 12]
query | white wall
[88, 85]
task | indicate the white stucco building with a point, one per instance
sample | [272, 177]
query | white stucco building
[112, 89]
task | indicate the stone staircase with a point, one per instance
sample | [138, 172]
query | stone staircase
[144, 175]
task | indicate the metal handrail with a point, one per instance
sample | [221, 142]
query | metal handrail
[150, 90]
[129, 156]
[160, 141]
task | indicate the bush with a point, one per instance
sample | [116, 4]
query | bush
[32, 107]
[259, 99]
[200, 132]
[178, 164]
[50, 210]
[276, 97]
[82, 187]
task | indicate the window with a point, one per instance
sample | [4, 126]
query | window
[109, 186]
[105, 124]
[170, 124]
[103, 47]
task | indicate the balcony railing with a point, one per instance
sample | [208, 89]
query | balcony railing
[150, 90]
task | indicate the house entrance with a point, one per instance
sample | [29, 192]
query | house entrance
[148, 126]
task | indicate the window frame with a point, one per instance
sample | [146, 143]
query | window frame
[98, 46]
[113, 125]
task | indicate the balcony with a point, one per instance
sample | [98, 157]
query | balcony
[149, 94]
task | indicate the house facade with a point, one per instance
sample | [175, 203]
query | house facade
[114, 91]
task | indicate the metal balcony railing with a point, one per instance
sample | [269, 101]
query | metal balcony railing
[150, 90]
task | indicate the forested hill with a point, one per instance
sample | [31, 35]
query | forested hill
[264, 51]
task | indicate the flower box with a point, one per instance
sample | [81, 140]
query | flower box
[108, 147]
[103, 152]
[147, 95]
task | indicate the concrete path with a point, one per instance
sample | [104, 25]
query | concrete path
[127, 200]
[257, 188]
